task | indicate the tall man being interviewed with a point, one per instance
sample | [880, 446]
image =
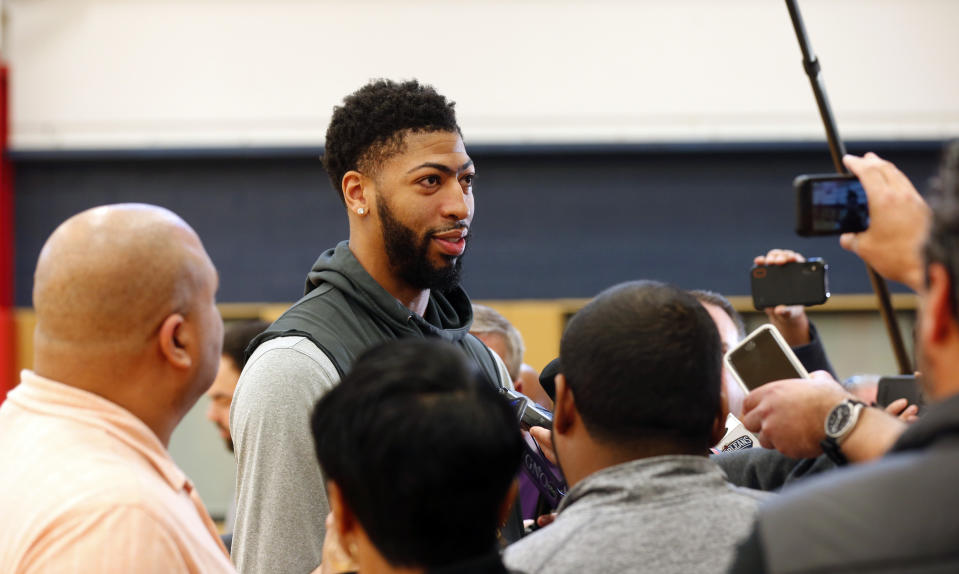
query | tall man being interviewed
[396, 158]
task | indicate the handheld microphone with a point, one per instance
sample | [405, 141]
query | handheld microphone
[529, 413]
[534, 464]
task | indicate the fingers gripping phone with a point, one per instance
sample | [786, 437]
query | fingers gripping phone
[792, 283]
[762, 357]
[830, 205]
[900, 387]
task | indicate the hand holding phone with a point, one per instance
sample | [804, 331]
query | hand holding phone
[790, 415]
[896, 387]
[791, 320]
[794, 283]
[898, 222]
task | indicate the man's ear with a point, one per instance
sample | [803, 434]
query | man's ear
[176, 340]
[719, 425]
[343, 519]
[564, 407]
[355, 190]
[936, 320]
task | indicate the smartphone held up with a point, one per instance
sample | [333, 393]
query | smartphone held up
[794, 283]
[830, 205]
[762, 357]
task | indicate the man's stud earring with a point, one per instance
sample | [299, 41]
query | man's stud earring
[361, 211]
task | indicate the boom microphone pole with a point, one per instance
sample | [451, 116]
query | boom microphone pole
[837, 150]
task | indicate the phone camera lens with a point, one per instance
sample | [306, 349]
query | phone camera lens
[750, 346]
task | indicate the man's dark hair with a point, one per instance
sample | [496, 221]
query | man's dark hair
[423, 450]
[942, 245]
[713, 298]
[643, 362]
[370, 125]
[237, 335]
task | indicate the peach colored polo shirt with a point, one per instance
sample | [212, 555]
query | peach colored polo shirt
[85, 486]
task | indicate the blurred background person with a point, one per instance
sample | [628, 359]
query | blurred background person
[236, 336]
[495, 330]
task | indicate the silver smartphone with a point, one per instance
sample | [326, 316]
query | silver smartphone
[762, 357]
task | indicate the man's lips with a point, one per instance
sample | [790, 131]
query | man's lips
[452, 242]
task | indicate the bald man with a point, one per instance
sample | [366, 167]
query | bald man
[127, 339]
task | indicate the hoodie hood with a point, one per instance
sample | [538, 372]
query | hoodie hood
[448, 315]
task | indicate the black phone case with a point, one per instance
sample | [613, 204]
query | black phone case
[896, 387]
[790, 284]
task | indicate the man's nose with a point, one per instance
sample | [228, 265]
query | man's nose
[456, 201]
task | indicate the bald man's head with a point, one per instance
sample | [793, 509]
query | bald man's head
[125, 301]
[109, 275]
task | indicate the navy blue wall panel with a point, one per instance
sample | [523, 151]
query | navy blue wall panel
[550, 222]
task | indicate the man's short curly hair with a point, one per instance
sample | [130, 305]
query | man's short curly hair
[370, 125]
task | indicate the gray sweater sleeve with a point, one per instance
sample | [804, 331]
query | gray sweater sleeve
[767, 469]
[281, 500]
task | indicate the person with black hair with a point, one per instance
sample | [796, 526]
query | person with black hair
[420, 456]
[898, 514]
[638, 402]
[397, 162]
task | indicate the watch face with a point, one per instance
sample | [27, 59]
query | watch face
[838, 419]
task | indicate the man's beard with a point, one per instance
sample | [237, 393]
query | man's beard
[409, 256]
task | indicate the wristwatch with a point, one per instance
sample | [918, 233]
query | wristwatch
[840, 422]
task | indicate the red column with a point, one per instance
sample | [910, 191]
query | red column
[8, 349]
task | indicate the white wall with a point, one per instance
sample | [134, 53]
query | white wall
[139, 73]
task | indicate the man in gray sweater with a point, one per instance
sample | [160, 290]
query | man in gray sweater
[397, 161]
[638, 403]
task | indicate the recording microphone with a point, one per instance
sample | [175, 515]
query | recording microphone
[529, 413]
[534, 464]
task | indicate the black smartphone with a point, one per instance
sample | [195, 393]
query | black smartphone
[762, 357]
[830, 205]
[793, 283]
[899, 387]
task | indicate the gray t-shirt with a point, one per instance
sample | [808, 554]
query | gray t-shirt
[665, 514]
[281, 500]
